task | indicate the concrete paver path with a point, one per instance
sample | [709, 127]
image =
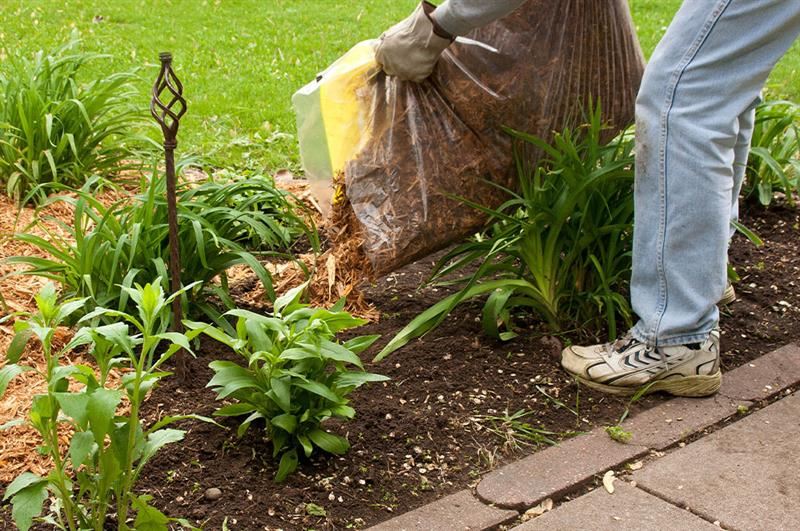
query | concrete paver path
[744, 476]
[628, 508]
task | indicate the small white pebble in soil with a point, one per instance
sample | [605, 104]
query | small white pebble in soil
[440, 398]
[362, 482]
[388, 416]
[340, 499]
[423, 470]
[212, 494]
[331, 496]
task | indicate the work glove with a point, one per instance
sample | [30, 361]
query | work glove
[410, 49]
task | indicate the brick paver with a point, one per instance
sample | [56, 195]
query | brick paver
[745, 475]
[677, 419]
[555, 470]
[628, 508]
[765, 376]
[458, 512]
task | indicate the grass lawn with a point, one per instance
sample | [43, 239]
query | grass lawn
[241, 60]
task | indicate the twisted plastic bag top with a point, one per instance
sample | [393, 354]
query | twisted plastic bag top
[405, 149]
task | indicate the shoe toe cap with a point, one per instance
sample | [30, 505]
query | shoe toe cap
[576, 359]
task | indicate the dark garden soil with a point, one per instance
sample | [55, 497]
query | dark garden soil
[429, 431]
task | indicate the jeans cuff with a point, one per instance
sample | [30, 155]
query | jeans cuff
[681, 339]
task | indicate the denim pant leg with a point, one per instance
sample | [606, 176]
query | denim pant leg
[692, 108]
[740, 153]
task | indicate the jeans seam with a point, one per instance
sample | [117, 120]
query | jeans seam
[669, 101]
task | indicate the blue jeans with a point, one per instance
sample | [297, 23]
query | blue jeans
[694, 120]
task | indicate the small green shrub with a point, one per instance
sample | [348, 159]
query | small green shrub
[560, 247]
[296, 375]
[774, 161]
[107, 449]
[55, 129]
[108, 248]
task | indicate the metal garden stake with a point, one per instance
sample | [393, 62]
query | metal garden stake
[167, 107]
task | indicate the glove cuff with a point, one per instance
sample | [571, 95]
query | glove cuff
[439, 31]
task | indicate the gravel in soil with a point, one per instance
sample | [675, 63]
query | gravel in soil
[432, 429]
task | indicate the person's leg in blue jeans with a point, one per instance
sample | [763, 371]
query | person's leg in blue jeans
[694, 122]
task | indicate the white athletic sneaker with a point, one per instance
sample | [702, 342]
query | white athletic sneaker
[625, 366]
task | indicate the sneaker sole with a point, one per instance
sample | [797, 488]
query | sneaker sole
[729, 297]
[688, 386]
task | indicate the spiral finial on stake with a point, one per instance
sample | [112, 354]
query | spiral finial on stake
[167, 107]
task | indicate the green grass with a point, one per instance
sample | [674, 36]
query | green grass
[241, 60]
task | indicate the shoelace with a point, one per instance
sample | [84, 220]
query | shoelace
[620, 347]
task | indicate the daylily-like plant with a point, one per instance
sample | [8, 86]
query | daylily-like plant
[108, 447]
[559, 247]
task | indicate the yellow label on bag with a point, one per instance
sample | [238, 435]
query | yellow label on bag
[343, 113]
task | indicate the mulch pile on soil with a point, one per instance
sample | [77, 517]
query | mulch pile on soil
[427, 432]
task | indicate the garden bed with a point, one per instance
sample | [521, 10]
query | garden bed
[426, 433]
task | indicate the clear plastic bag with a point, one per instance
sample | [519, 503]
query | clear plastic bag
[406, 149]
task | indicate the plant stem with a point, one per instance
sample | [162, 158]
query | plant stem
[52, 434]
[133, 423]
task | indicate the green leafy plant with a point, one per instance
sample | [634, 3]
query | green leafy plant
[54, 129]
[560, 247]
[108, 248]
[774, 161]
[108, 448]
[619, 434]
[249, 210]
[296, 375]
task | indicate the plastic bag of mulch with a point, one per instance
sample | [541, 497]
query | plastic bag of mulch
[391, 156]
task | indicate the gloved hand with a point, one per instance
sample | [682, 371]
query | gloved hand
[410, 49]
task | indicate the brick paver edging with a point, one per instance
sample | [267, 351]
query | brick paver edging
[563, 469]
